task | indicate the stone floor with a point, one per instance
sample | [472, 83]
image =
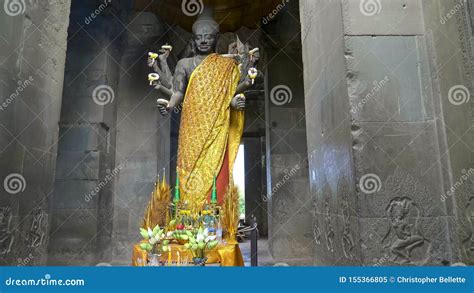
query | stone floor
[265, 258]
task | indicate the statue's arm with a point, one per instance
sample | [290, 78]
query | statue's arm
[246, 81]
[238, 101]
[180, 82]
[164, 66]
[176, 94]
[243, 85]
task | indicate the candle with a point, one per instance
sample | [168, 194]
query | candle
[179, 260]
[169, 257]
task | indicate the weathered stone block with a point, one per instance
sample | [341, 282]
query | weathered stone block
[74, 224]
[387, 79]
[78, 165]
[384, 154]
[88, 137]
[74, 194]
[386, 17]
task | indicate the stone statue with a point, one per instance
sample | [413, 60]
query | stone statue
[205, 37]
[211, 88]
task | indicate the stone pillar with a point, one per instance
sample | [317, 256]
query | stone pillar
[387, 139]
[143, 136]
[449, 38]
[288, 197]
[32, 56]
[81, 227]
[334, 226]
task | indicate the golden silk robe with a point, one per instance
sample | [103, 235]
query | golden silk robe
[210, 130]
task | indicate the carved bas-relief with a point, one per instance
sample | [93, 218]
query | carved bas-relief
[36, 233]
[403, 235]
[6, 235]
[404, 240]
[316, 225]
[317, 232]
[282, 208]
[347, 240]
[468, 242]
[330, 233]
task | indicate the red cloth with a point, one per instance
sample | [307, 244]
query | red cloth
[222, 181]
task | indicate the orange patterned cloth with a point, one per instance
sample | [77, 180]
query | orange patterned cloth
[227, 255]
[208, 127]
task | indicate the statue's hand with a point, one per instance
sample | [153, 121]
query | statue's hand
[150, 62]
[164, 56]
[163, 106]
[238, 102]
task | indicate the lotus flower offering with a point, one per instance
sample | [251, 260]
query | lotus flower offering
[155, 242]
[152, 55]
[199, 243]
[152, 77]
[253, 73]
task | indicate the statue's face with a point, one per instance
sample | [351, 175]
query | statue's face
[205, 39]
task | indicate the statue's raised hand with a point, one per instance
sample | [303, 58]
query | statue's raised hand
[238, 102]
[165, 54]
[163, 106]
[150, 62]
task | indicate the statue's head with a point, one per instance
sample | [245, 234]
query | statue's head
[205, 33]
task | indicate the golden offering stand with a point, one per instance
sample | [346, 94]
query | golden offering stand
[176, 217]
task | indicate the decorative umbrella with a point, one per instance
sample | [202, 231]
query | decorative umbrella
[230, 14]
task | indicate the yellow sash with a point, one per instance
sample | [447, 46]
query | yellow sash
[208, 127]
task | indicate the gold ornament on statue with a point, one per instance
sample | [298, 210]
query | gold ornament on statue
[157, 212]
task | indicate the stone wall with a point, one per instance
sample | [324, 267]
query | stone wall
[32, 55]
[81, 226]
[390, 139]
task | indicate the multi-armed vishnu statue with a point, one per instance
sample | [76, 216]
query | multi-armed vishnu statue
[210, 87]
